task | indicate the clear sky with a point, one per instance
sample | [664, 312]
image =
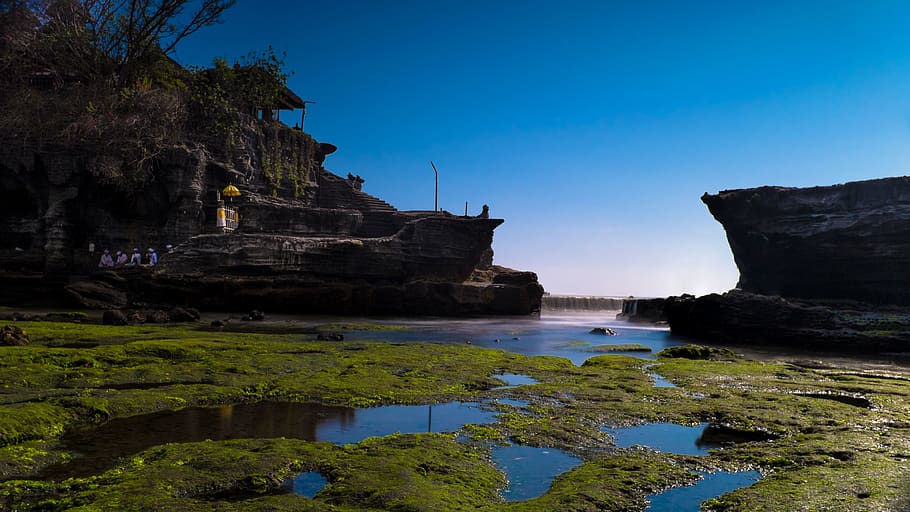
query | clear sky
[592, 127]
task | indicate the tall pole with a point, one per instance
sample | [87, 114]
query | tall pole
[436, 197]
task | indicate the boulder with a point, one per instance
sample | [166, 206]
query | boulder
[179, 314]
[10, 335]
[97, 295]
[156, 316]
[330, 336]
[114, 317]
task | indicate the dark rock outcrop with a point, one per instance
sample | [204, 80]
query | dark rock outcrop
[840, 242]
[822, 267]
[179, 314]
[307, 240]
[744, 319]
[114, 317]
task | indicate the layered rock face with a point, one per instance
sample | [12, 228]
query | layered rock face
[307, 240]
[841, 242]
[748, 319]
[820, 268]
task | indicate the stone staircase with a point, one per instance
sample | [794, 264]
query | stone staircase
[379, 217]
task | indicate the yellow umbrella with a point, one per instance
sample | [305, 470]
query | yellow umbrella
[230, 191]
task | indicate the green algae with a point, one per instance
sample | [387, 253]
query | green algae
[360, 326]
[697, 352]
[624, 347]
[824, 454]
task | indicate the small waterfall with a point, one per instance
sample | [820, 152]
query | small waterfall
[580, 303]
[642, 310]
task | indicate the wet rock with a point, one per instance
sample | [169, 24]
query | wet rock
[96, 295]
[10, 335]
[256, 316]
[330, 336]
[217, 323]
[114, 317]
[179, 314]
[156, 317]
[854, 400]
[604, 331]
[721, 435]
[738, 317]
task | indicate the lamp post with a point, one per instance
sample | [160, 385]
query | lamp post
[436, 197]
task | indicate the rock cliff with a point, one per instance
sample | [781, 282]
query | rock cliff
[820, 268]
[841, 242]
[307, 240]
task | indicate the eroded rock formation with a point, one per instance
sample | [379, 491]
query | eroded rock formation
[307, 240]
[841, 242]
[821, 267]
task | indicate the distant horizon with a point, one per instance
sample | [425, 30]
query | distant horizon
[592, 128]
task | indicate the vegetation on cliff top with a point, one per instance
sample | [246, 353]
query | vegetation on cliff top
[93, 77]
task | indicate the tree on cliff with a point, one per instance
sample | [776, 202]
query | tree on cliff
[92, 77]
[91, 38]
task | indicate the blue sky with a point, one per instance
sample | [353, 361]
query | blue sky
[592, 127]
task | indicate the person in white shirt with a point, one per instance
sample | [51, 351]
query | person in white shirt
[136, 258]
[106, 260]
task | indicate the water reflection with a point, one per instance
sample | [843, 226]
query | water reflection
[514, 402]
[513, 380]
[565, 335]
[665, 437]
[530, 470]
[308, 484]
[98, 449]
[689, 499]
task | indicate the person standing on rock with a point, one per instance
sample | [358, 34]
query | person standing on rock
[106, 260]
